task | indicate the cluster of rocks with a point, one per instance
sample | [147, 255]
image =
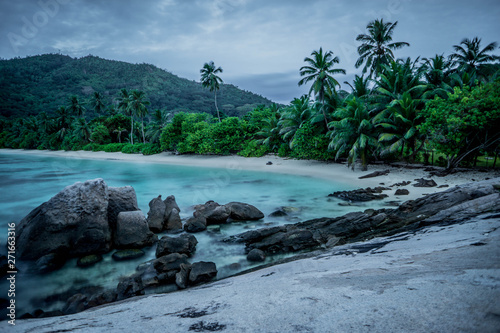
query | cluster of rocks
[453, 205]
[362, 194]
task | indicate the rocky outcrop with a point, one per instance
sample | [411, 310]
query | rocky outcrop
[121, 199]
[455, 204]
[195, 224]
[244, 212]
[164, 214]
[156, 214]
[184, 244]
[73, 223]
[212, 212]
[132, 231]
[366, 194]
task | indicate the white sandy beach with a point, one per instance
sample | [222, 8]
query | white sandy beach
[325, 170]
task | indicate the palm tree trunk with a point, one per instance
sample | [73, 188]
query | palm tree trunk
[142, 129]
[131, 129]
[216, 108]
[364, 164]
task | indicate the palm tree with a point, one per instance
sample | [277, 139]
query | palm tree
[354, 132]
[319, 70]
[293, 117]
[209, 79]
[81, 129]
[124, 106]
[119, 132]
[470, 57]
[376, 48]
[437, 72]
[75, 106]
[360, 86]
[64, 119]
[137, 105]
[269, 134]
[97, 103]
[160, 119]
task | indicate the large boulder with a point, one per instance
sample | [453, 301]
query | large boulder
[132, 231]
[244, 212]
[202, 271]
[156, 214]
[185, 244]
[212, 212]
[73, 223]
[121, 199]
[168, 266]
[196, 224]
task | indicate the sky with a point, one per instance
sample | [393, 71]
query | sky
[260, 44]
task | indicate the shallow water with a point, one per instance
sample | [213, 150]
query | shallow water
[28, 181]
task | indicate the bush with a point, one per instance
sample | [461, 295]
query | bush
[133, 149]
[92, 147]
[308, 144]
[151, 149]
[254, 149]
[100, 135]
[113, 147]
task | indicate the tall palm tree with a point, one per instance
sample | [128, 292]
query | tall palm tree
[124, 106]
[75, 107]
[210, 80]
[437, 72]
[354, 132]
[470, 57]
[320, 71]
[97, 103]
[377, 46]
[81, 129]
[137, 105]
[293, 117]
[159, 121]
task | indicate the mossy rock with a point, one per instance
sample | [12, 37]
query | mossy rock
[89, 260]
[127, 254]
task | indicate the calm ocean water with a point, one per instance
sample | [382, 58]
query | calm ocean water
[28, 181]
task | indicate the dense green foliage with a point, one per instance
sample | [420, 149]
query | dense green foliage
[42, 83]
[406, 110]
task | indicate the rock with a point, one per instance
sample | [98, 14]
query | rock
[358, 195]
[202, 271]
[132, 231]
[291, 210]
[269, 163]
[129, 287]
[184, 244]
[76, 303]
[156, 214]
[101, 298]
[332, 241]
[424, 183]
[128, 254]
[244, 212]
[278, 213]
[375, 174]
[182, 277]
[168, 266]
[256, 255]
[212, 212]
[89, 260]
[195, 224]
[173, 222]
[402, 191]
[170, 204]
[403, 183]
[121, 199]
[73, 223]
[443, 186]
[50, 262]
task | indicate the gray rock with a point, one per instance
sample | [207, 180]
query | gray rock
[424, 183]
[278, 213]
[183, 244]
[129, 287]
[402, 191]
[195, 224]
[256, 255]
[101, 298]
[170, 204]
[202, 271]
[156, 214]
[168, 266]
[73, 223]
[121, 199]
[76, 303]
[244, 212]
[362, 194]
[132, 231]
[182, 277]
[50, 262]
[212, 212]
[173, 222]
[127, 254]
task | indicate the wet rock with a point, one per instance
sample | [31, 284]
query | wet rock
[132, 231]
[202, 271]
[244, 212]
[278, 213]
[256, 255]
[212, 212]
[269, 163]
[73, 223]
[402, 191]
[50, 262]
[156, 214]
[182, 277]
[101, 298]
[129, 287]
[127, 254]
[76, 303]
[361, 195]
[195, 224]
[89, 260]
[403, 183]
[168, 266]
[121, 199]
[173, 222]
[183, 244]
[375, 174]
[424, 183]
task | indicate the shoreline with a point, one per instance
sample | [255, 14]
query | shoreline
[334, 172]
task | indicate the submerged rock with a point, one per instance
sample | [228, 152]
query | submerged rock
[127, 254]
[89, 260]
[256, 255]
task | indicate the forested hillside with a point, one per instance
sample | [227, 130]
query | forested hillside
[43, 83]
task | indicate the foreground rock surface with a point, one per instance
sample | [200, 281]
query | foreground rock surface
[390, 275]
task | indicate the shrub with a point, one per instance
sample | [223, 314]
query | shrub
[254, 149]
[132, 148]
[151, 149]
[113, 147]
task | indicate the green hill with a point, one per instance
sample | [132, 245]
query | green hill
[34, 84]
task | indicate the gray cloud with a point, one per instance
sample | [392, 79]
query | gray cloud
[260, 44]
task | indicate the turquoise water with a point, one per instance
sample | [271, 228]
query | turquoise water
[28, 181]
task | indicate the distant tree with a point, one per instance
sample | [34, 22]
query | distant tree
[75, 107]
[320, 71]
[437, 72]
[97, 103]
[81, 130]
[376, 48]
[137, 105]
[210, 80]
[293, 118]
[124, 106]
[159, 121]
[469, 56]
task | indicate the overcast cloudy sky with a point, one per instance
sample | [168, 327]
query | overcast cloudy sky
[260, 44]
